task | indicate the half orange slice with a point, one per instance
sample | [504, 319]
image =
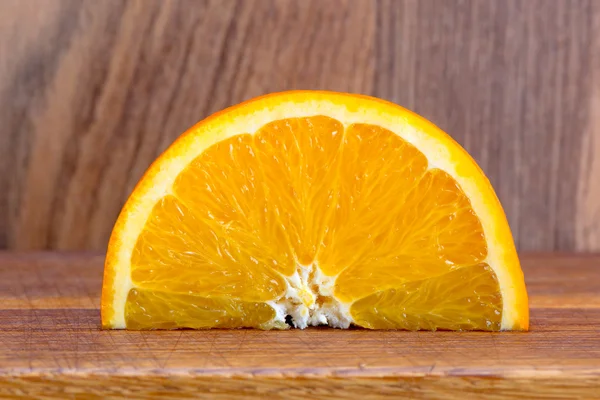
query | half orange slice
[307, 208]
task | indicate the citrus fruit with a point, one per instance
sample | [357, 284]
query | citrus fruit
[311, 208]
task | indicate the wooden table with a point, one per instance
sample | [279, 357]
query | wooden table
[51, 346]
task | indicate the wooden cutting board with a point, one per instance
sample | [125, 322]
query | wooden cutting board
[51, 346]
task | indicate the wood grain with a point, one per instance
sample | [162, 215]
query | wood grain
[51, 346]
[510, 81]
[588, 207]
[92, 91]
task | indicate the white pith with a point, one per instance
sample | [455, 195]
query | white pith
[309, 300]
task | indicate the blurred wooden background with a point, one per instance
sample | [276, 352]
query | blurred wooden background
[92, 91]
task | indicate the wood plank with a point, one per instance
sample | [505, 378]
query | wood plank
[98, 89]
[509, 81]
[588, 206]
[51, 345]
[91, 92]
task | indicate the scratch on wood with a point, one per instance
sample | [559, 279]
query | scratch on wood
[173, 349]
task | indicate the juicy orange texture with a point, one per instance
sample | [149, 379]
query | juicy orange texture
[331, 222]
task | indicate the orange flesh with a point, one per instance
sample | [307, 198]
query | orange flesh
[361, 203]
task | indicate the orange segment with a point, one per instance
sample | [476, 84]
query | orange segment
[378, 171]
[225, 188]
[437, 212]
[300, 161]
[436, 303]
[160, 310]
[326, 208]
[420, 239]
[178, 250]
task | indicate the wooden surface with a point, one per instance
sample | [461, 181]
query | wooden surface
[92, 91]
[51, 346]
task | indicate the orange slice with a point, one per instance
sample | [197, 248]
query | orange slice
[309, 208]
